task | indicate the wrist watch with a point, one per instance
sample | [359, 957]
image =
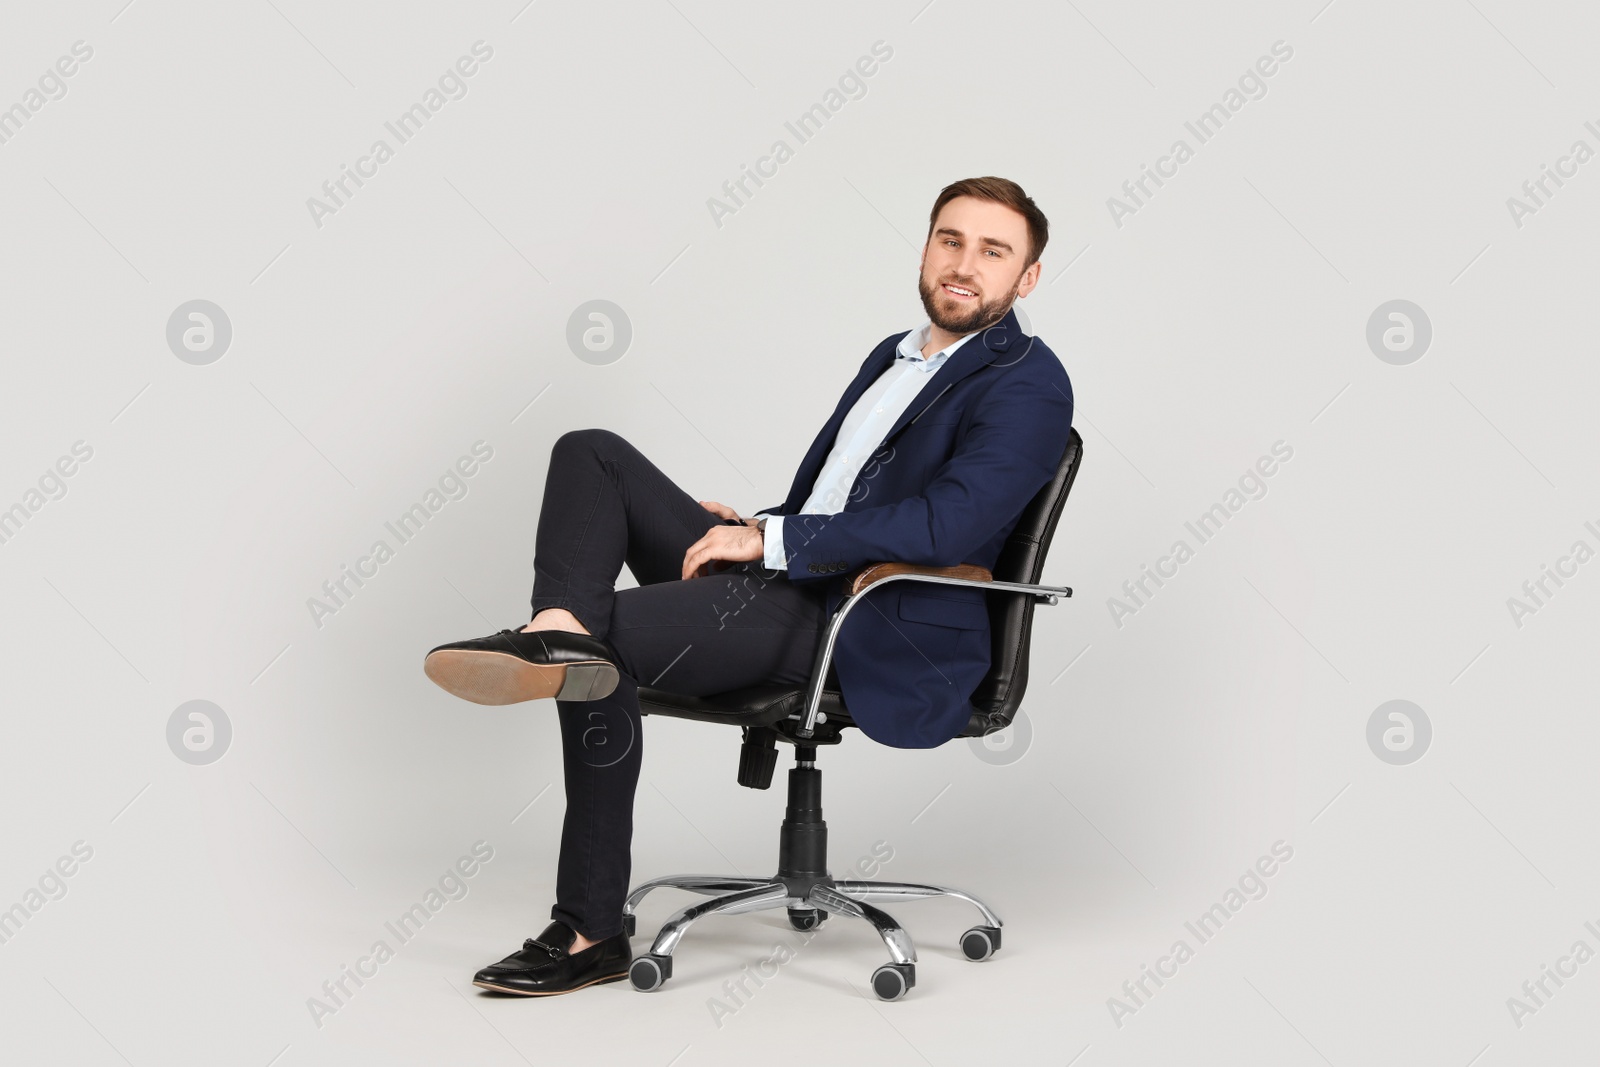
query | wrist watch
[761, 526]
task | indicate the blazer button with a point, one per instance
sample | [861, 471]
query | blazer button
[812, 567]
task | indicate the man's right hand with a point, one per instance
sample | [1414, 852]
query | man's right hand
[723, 511]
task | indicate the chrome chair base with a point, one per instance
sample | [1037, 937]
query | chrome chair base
[737, 895]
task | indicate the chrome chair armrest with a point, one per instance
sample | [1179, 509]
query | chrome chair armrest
[966, 575]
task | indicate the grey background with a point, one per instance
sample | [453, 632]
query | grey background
[1167, 754]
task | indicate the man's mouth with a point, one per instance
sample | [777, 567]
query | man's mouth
[959, 292]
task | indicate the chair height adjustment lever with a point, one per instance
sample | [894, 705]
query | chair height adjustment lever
[758, 757]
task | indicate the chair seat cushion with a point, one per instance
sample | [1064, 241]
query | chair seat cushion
[756, 705]
[761, 705]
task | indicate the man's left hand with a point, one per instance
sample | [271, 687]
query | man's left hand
[735, 544]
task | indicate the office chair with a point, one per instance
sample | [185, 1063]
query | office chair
[815, 716]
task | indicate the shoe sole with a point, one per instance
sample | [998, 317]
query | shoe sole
[551, 992]
[485, 677]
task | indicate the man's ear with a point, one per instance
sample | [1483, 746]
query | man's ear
[1030, 278]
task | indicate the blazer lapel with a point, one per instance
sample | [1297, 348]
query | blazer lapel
[1003, 338]
[810, 467]
[993, 343]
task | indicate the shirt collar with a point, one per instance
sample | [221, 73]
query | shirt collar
[910, 349]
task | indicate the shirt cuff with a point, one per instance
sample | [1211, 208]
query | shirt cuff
[773, 558]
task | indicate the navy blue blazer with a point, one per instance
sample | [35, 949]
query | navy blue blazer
[946, 486]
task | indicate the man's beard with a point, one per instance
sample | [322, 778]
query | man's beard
[984, 313]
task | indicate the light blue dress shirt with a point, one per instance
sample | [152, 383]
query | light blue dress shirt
[863, 430]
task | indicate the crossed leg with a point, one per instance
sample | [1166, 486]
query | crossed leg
[605, 504]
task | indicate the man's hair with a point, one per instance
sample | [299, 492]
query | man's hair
[1001, 191]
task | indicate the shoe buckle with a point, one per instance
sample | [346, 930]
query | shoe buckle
[554, 951]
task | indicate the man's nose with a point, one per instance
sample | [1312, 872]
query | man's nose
[967, 265]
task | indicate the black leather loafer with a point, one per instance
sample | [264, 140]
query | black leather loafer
[543, 967]
[512, 666]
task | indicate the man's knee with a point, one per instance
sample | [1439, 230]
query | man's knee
[596, 441]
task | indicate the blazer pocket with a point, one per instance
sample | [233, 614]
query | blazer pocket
[927, 431]
[931, 419]
[931, 607]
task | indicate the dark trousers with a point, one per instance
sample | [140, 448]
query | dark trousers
[605, 504]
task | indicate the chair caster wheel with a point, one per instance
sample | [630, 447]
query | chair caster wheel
[630, 925]
[648, 973]
[980, 942]
[893, 980]
[806, 918]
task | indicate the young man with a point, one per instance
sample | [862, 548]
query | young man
[944, 436]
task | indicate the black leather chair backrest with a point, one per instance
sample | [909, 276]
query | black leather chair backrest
[998, 696]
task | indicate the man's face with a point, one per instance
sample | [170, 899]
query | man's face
[972, 265]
